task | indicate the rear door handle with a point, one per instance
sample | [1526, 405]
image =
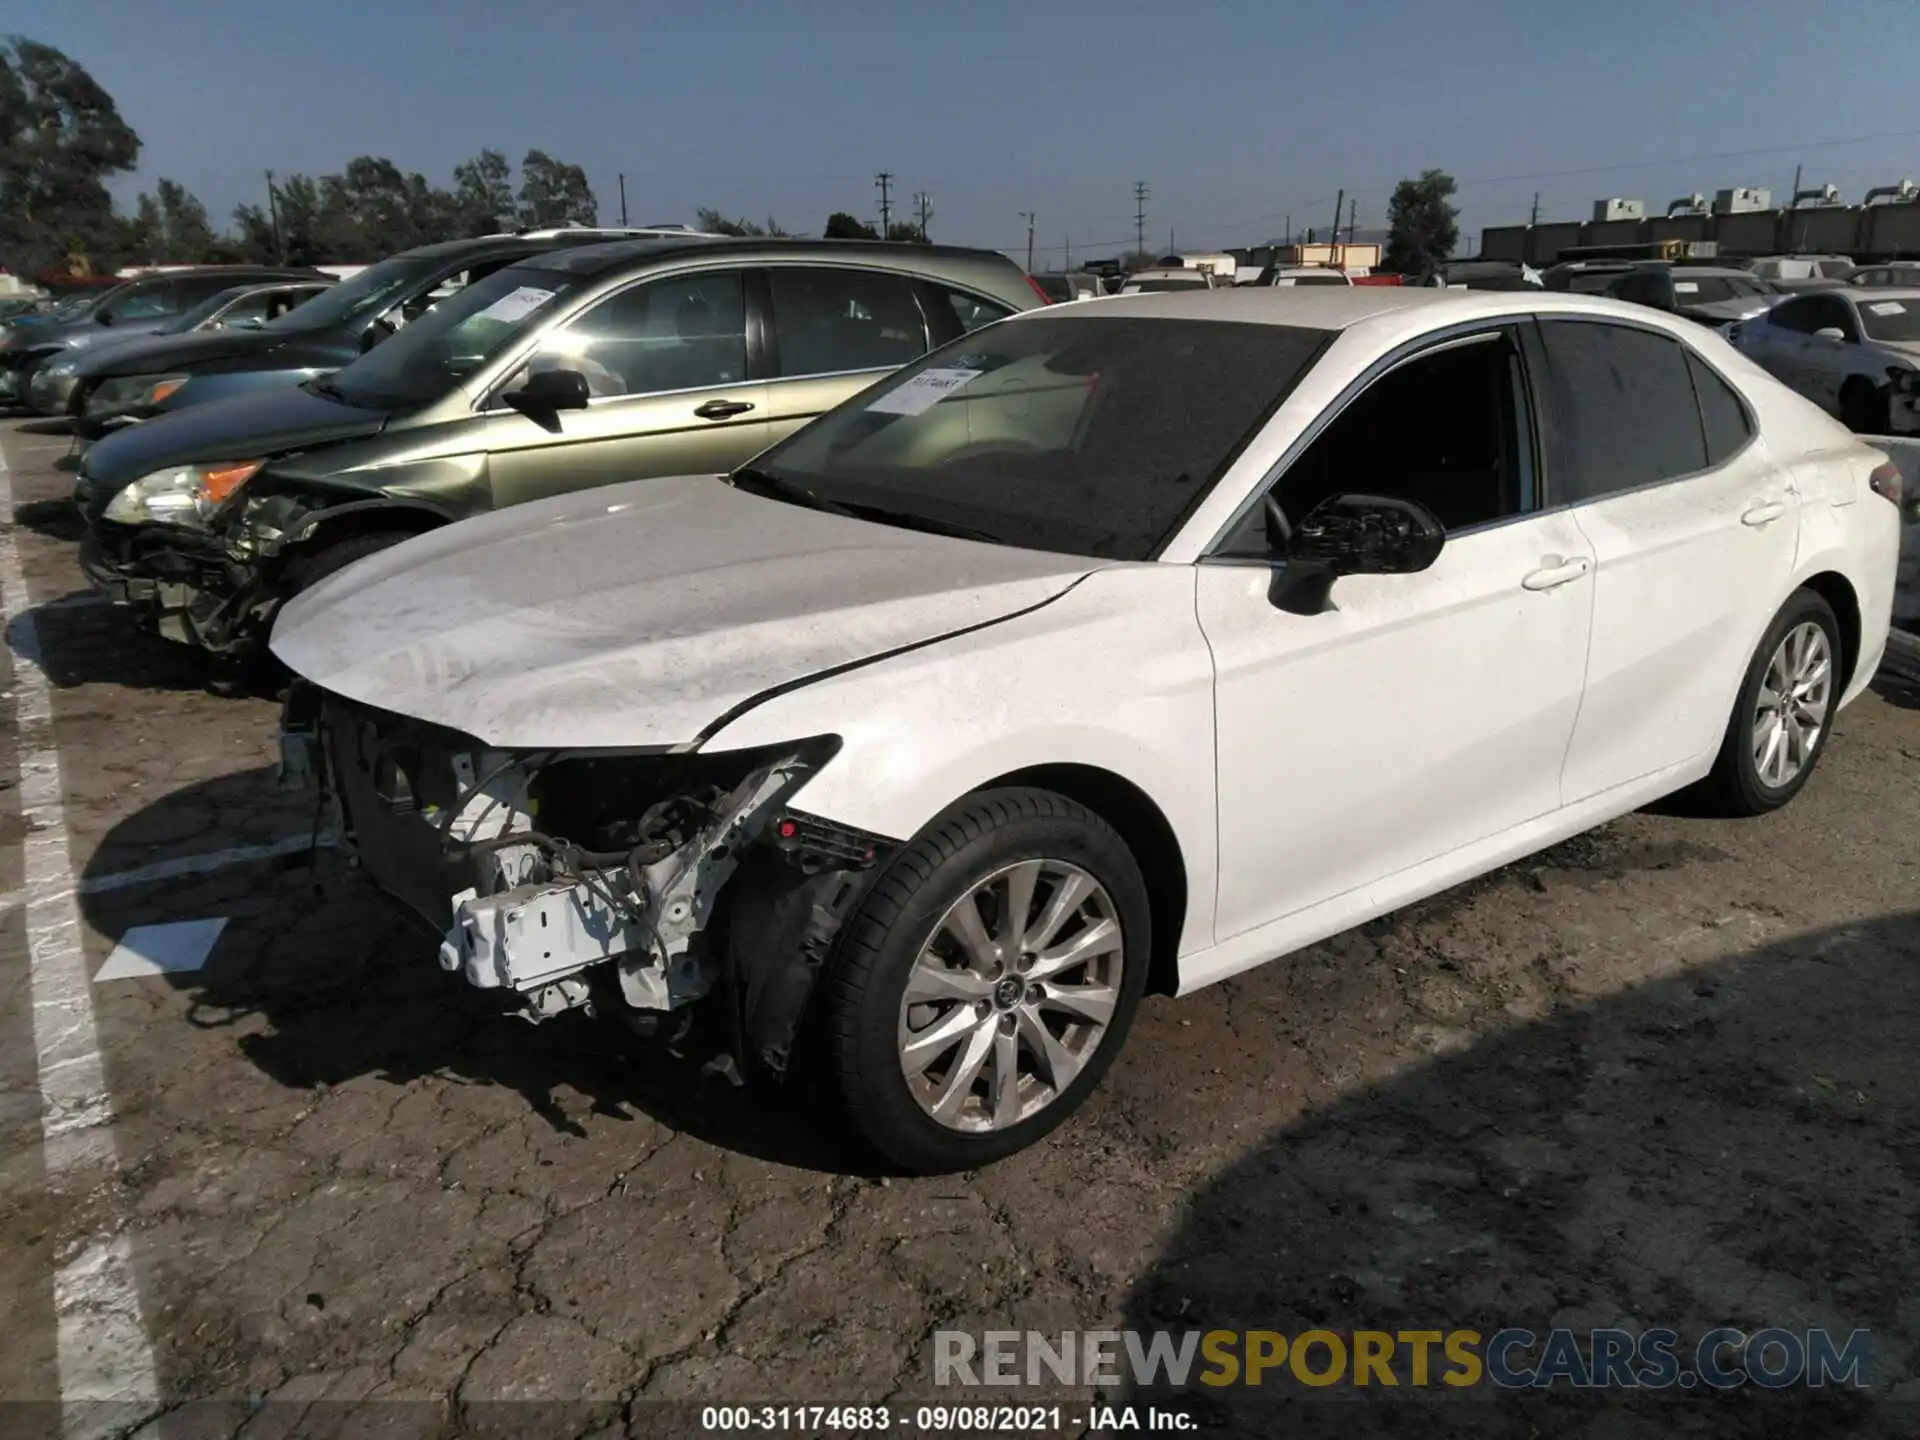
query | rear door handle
[722, 409]
[1764, 513]
[1559, 572]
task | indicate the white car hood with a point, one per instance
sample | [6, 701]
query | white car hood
[638, 614]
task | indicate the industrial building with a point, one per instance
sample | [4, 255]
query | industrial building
[1741, 221]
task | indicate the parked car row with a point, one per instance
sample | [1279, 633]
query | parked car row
[932, 671]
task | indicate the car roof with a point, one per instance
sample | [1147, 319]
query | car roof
[607, 255]
[1868, 294]
[1412, 309]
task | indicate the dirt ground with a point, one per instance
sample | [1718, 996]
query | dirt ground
[1665, 1074]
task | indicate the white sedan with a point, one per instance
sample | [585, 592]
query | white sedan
[1109, 649]
[1853, 352]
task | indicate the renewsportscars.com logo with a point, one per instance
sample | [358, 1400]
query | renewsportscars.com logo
[1508, 1359]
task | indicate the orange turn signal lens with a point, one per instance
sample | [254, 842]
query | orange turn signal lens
[217, 482]
[163, 390]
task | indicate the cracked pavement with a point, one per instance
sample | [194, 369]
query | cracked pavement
[1664, 1072]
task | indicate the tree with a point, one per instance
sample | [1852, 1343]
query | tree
[183, 219]
[716, 223]
[1421, 232]
[910, 234]
[483, 193]
[61, 136]
[842, 226]
[554, 193]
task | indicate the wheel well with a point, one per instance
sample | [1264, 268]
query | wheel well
[1833, 588]
[1127, 808]
[410, 519]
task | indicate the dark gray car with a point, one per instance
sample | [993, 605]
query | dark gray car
[330, 331]
[140, 306]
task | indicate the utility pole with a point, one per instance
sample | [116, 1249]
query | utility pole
[1029, 217]
[1533, 217]
[1353, 218]
[1140, 217]
[924, 203]
[1793, 205]
[1289, 230]
[273, 210]
[623, 200]
[1339, 204]
[1067, 262]
[883, 181]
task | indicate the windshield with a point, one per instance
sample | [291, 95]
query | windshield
[454, 338]
[1093, 436]
[1706, 289]
[374, 289]
[1894, 321]
[75, 306]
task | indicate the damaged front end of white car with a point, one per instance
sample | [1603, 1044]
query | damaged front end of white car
[634, 881]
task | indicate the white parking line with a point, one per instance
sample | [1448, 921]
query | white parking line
[201, 864]
[102, 1348]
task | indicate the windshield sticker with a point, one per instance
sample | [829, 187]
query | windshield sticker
[1686, 287]
[923, 391]
[517, 305]
[1887, 307]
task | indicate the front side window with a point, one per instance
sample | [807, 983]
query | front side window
[686, 332]
[1623, 401]
[828, 319]
[1795, 315]
[1833, 314]
[1092, 435]
[1446, 429]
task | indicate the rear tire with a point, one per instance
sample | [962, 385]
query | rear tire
[1863, 409]
[922, 1077]
[1784, 712]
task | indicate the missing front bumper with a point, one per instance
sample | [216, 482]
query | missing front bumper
[471, 839]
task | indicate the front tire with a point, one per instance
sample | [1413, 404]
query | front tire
[988, 980]
[1863, 409]
[1784, 712]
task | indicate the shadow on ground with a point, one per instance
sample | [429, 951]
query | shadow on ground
[56, 519]
[350, 985]
[84, 641]
[1731, 1147]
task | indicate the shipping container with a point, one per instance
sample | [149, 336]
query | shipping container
[1547, 241]
[1504, 242]
[1612, 232]
[1821, 230]
[1890, 231]
[1679, 227]
[1752, 233]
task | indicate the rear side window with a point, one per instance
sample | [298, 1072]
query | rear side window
[827, 320]
[1722, 415]
[1794, 315]
[1623, 402]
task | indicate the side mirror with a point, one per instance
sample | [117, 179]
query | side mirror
[545, 393]
[105, 317]
[1351, 535]
[1832, 334]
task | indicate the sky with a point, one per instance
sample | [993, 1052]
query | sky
[1239, 115]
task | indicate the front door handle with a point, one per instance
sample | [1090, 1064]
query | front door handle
[1764, 513]
[722, 409]
[1557, 572]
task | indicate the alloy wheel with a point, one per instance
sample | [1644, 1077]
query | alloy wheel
[1011, 995]
[1790, 711]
